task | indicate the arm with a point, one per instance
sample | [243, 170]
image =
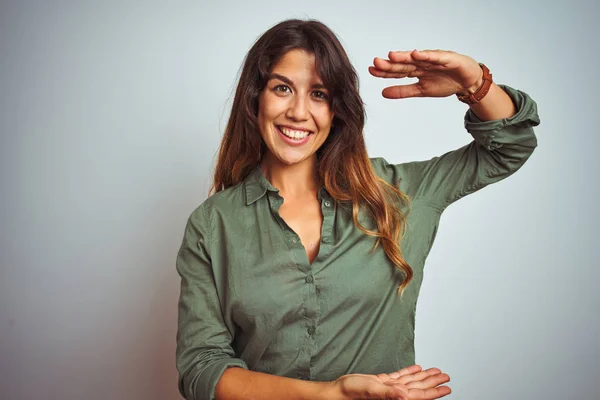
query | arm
[501, 124]
[239, 383]
[409, 383]
[495, 105]
[500, 147]
[203, 340]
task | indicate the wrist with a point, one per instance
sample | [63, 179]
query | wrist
[329, 391]
[474, 87]
[474, 93]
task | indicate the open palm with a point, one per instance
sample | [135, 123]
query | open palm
[410, 383]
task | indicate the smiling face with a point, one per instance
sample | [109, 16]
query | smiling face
[294, 115]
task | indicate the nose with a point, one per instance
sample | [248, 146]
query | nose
[298, 108]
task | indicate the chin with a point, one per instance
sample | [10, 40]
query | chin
[292, 161]
[289, 159]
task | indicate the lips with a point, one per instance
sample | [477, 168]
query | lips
[294, 137]
[294, 133]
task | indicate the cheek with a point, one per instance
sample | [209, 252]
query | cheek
[263, 118]
[324, 118]
[270, 107]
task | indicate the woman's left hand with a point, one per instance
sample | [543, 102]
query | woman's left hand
[411, 383]
[440, 73]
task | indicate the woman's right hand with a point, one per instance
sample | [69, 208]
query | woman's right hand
[411, 383]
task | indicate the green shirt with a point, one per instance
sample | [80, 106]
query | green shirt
[250, 298]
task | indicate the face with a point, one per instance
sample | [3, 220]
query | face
[294, 115]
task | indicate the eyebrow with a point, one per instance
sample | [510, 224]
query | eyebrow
[289, 81]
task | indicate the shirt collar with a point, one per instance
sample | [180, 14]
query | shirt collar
[256, 185]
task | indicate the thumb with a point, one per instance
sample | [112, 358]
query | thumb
[395, 392]
[377, 390]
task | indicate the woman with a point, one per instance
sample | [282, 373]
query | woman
[300, 275]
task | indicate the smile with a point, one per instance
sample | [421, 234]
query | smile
[295, 134]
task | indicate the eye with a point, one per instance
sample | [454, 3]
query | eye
[320, 95]
[282, 89]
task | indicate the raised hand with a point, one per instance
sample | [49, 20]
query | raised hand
[440, 73]
[410, 383]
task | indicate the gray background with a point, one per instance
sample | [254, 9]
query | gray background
[110, 116]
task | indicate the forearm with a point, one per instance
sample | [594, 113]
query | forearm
[495, 105]
[242, 384]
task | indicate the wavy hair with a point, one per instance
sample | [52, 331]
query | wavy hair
[342, 161]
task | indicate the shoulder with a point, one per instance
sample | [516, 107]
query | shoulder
[385, 169]
[380, 166]
[405, 176]
[223, 202]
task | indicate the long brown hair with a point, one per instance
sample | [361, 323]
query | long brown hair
[343, 164]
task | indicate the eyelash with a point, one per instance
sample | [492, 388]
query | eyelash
[320, 94]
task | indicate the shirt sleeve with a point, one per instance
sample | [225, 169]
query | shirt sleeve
[204, 348]
[499, 149]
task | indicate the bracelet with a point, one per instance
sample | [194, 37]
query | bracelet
[474, 98]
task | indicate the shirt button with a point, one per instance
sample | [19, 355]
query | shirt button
[327, 203]
[309, 279]
[324, 240]
[311, 330]
[295, 240]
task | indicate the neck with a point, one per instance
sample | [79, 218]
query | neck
[295, 180]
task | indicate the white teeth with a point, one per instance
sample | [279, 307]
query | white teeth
[293, 133]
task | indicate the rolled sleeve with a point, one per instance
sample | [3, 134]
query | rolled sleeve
[493, 134]
[204, 348]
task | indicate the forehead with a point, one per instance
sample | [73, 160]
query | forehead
[297, 65]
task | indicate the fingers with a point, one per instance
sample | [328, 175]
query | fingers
[413, 369]
[402, 91]
[360, 386]
[440, 57]
[420, 376]
[429, 394]
[384, 74]
[393, 66]
[431, 381]
[404, 57]
[386, 391]
[396, 75]
[413, 63]
[439, 72]
[425, 385]
[386, 69]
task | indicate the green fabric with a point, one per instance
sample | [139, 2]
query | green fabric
[250, 298]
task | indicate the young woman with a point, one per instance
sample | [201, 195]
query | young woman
[300, 275]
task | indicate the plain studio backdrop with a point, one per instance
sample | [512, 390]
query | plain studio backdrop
[110, 118]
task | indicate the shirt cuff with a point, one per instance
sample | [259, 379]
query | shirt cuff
[485, 132]
[206, 382]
